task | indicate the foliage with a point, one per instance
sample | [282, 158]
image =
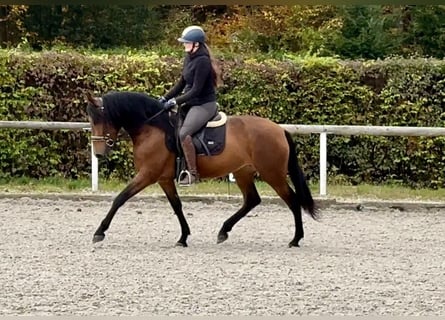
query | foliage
[348, 31]
[366, 33]
[50, 86]
[86, 25]
[425, 33]
[277, 63]
[273, 28]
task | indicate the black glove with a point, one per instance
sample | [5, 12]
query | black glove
[170, 104]
[162, 100]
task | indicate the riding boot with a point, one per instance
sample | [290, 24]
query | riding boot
[190, 157]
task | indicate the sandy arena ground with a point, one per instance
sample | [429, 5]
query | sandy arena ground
[370, 262]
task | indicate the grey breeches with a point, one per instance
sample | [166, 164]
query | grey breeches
[196, 118]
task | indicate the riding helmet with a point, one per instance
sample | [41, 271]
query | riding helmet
[192, 34]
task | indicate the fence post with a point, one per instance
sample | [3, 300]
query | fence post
[323, 163]
[94, 170]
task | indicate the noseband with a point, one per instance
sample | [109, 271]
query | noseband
[108, 140]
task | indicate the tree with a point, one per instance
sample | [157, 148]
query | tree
[11, 29]
[95, 26]
[426, 33]
[367, 32]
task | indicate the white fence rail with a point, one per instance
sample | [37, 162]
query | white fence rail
[322, 130]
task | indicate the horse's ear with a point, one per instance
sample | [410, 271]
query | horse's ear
[90, 97]
[94, 101]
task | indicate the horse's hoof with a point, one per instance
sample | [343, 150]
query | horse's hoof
[98, 238]
[222, 237]
[293, 243]
[181, 244]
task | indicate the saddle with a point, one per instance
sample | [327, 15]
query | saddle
[210, 140]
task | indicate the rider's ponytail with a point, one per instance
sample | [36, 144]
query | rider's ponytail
[216, 70]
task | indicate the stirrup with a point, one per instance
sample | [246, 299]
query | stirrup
[185, 178]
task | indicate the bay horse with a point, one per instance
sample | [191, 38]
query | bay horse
[254, 146]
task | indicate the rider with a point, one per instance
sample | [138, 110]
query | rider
[195, 92]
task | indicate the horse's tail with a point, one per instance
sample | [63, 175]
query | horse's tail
[302, 190]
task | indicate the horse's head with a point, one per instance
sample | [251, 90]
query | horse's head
[103, 133]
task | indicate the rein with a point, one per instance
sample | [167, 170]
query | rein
[155, 115]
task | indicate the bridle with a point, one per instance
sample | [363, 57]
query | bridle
[106, 137]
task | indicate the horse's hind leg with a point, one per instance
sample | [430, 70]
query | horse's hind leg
[280, 185]
[245, 181]
[172, 195]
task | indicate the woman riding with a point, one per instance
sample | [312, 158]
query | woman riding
[195, 92]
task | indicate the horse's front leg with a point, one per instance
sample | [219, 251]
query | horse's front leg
[138, 183]
[168, 185]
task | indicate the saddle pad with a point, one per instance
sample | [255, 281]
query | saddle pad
[210, 141]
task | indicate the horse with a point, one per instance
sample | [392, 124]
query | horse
[254, 146]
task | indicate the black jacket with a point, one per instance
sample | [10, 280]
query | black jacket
[196, 80]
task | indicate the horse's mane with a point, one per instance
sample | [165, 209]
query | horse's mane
[131, 110]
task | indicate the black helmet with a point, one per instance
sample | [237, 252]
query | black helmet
[192, 34]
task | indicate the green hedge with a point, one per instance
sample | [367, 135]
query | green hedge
[50, 86]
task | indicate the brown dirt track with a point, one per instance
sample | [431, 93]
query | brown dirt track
[377, 261]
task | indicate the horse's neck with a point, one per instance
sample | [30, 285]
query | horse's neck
[147, 132]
